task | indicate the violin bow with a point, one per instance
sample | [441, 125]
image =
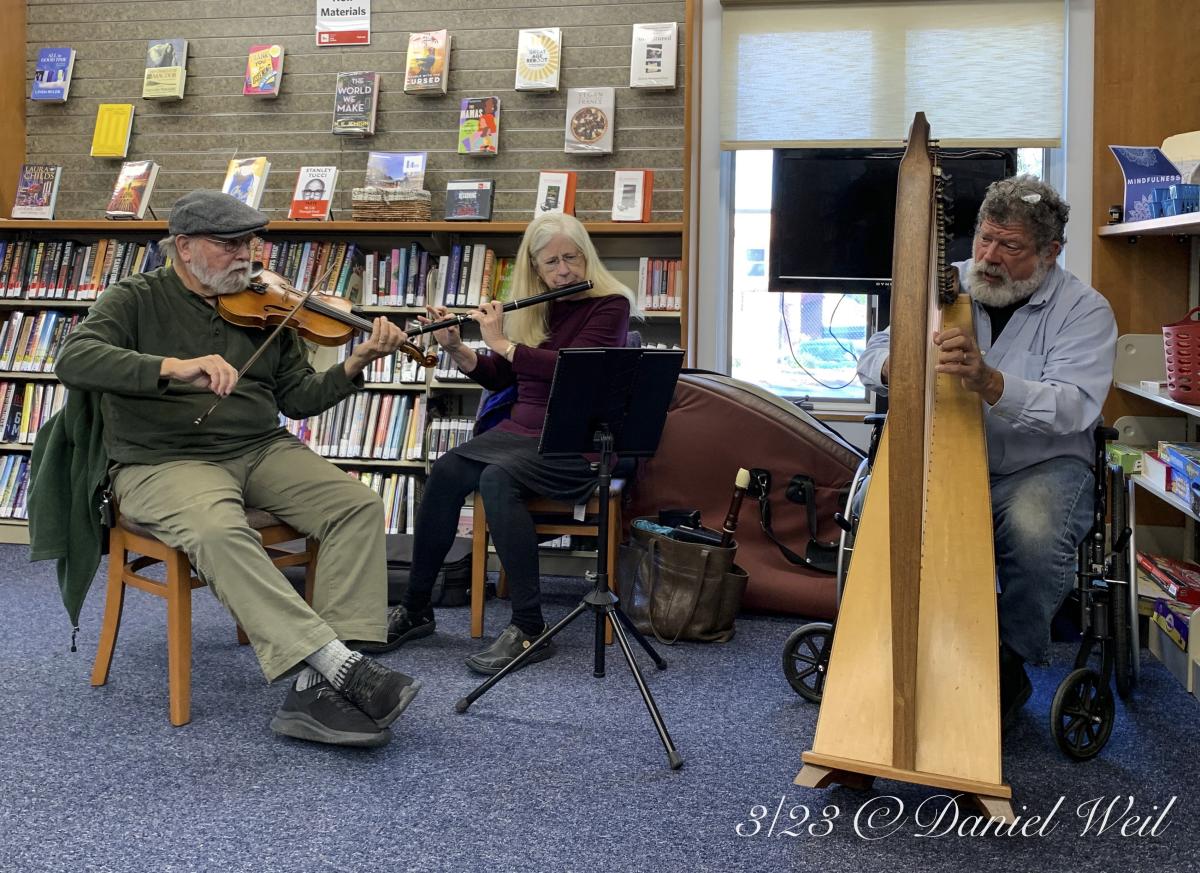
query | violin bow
[274, 333]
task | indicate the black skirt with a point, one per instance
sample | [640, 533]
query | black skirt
[571, 480]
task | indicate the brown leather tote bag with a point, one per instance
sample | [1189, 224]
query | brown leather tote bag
[680, 591]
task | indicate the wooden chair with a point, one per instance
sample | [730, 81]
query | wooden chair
[552, 518]
[124, 570]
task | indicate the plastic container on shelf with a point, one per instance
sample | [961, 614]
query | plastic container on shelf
[1181, 344]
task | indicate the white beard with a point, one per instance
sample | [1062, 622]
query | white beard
[231, 280]
[1007, 291]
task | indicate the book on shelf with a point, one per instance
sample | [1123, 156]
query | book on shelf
[264, 71]
[131, 193]
[539, 59]
[166, 69]
[1146, 169]
[632, 190]
[355, 102]
[313, 196]
[396, 171]
[589, 128]
[37, 191]
[1179, 579]
[556, 192]
[245, 179]
[652, 55]
[52, 74]
[1174, 618]
[469, 200]
[114, 123]
[427, 66]
[479, 126]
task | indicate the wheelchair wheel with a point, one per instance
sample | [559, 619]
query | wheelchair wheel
[806, 657]
[1082, 715]
[1118, 589]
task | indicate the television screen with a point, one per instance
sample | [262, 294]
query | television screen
[833, 214]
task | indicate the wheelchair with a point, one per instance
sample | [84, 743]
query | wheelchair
[1083, 712]
[806, 652]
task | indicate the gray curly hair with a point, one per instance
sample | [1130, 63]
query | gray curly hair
[1029, 201]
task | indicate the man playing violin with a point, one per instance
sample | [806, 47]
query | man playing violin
[157, 351]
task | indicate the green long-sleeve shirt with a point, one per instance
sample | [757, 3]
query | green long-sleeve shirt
[118, 350]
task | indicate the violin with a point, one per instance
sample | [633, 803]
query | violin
[325, 319]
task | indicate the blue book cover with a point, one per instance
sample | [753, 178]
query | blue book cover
[1145, 170]
[52, 75]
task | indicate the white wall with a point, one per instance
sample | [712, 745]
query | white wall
[711, 247]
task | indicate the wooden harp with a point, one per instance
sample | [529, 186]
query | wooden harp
[912, 691]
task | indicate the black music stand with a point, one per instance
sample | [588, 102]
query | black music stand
[605, 401]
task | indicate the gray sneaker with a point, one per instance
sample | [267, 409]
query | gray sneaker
[320, 714]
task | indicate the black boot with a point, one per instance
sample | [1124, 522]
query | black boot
[511, 642]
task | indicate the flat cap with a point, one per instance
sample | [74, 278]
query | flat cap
[215, 214]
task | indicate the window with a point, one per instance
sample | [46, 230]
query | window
[799, 346]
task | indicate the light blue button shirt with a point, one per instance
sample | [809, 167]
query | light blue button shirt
[1056, 354]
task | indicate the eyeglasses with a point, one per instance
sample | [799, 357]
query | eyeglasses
[569, 260]
[230, 246]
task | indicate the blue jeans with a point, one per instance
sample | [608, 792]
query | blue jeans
[1041, 514]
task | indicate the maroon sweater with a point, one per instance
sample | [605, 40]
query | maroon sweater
[593, 322]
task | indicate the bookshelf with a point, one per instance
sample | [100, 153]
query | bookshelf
[621, 245]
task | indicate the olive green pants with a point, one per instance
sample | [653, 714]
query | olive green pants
[198, 506]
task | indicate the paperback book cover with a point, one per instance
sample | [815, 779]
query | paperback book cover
[539, 59]
[313, 196]
[166, 69]
[556, 192]
[37, 190]
[131, 194]
[652, 55]
[469, 200]
[114, 122]
[264, 71]
[356, 97]
[479, 126]
[631, 195]
[52, 75]
[589, 129]
[427, 69]
[396, 171]
[246, 178]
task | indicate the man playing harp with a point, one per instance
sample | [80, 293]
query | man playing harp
[1042, 362]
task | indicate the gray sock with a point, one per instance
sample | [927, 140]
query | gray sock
[332, 661]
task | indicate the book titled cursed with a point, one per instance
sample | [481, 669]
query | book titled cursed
[356, 97]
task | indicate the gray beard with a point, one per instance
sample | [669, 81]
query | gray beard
[231, 280]
[1007, 292]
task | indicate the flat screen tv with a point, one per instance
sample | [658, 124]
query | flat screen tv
[833, 214]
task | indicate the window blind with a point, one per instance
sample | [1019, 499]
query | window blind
[854, 73]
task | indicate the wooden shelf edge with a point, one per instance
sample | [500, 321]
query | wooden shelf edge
[395, 228]
[1171, 225]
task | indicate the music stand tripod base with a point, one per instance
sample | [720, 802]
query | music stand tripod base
[605, 400]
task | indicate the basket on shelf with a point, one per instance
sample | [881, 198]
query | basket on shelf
[385, 204]
[1181, 343]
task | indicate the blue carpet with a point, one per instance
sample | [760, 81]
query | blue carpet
[553, 770]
